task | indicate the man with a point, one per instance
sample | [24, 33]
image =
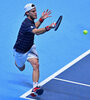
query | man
[24, 48]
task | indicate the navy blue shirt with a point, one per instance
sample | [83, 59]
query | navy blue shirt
[25, 38]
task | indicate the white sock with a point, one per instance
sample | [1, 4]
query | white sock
[35, 84]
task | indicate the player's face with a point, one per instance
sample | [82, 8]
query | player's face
[32, 13]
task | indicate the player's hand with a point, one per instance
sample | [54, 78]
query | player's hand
[46, 14]
[52, 25]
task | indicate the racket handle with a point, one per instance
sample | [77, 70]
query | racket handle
[53, 25]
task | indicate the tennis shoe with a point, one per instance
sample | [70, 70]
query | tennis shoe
[36, 91]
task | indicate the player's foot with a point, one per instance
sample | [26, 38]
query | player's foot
[33, 94]
[36, 91]
[20, 68]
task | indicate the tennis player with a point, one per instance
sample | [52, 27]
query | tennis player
[24, 48]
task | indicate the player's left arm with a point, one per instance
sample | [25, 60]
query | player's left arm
[45, 15]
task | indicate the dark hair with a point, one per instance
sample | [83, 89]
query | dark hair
[33, 5]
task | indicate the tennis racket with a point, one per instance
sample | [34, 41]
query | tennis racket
[58, 23]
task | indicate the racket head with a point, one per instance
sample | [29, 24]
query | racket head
[58, 23]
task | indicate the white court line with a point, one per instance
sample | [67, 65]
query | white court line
[77, 83]
[29, 98]
[58, 72]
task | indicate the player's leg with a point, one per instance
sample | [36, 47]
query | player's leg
[34, 61]
[35, 64]
[36, 89]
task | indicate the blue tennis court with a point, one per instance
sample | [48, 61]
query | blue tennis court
[69, 83]
[64, 55]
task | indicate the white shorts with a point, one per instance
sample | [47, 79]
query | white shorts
[21, 58]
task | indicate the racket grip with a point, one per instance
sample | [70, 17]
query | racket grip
[54, 24]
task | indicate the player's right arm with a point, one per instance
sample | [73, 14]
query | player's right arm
[43, 30]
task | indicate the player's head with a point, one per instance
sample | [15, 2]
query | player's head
[30, 11]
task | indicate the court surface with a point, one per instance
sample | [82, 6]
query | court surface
[69, 83]
[56, 49]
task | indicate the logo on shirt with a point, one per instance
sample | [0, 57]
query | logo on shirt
[32, 27]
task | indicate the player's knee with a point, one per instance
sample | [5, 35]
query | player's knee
[20, 68]
[36, 66]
